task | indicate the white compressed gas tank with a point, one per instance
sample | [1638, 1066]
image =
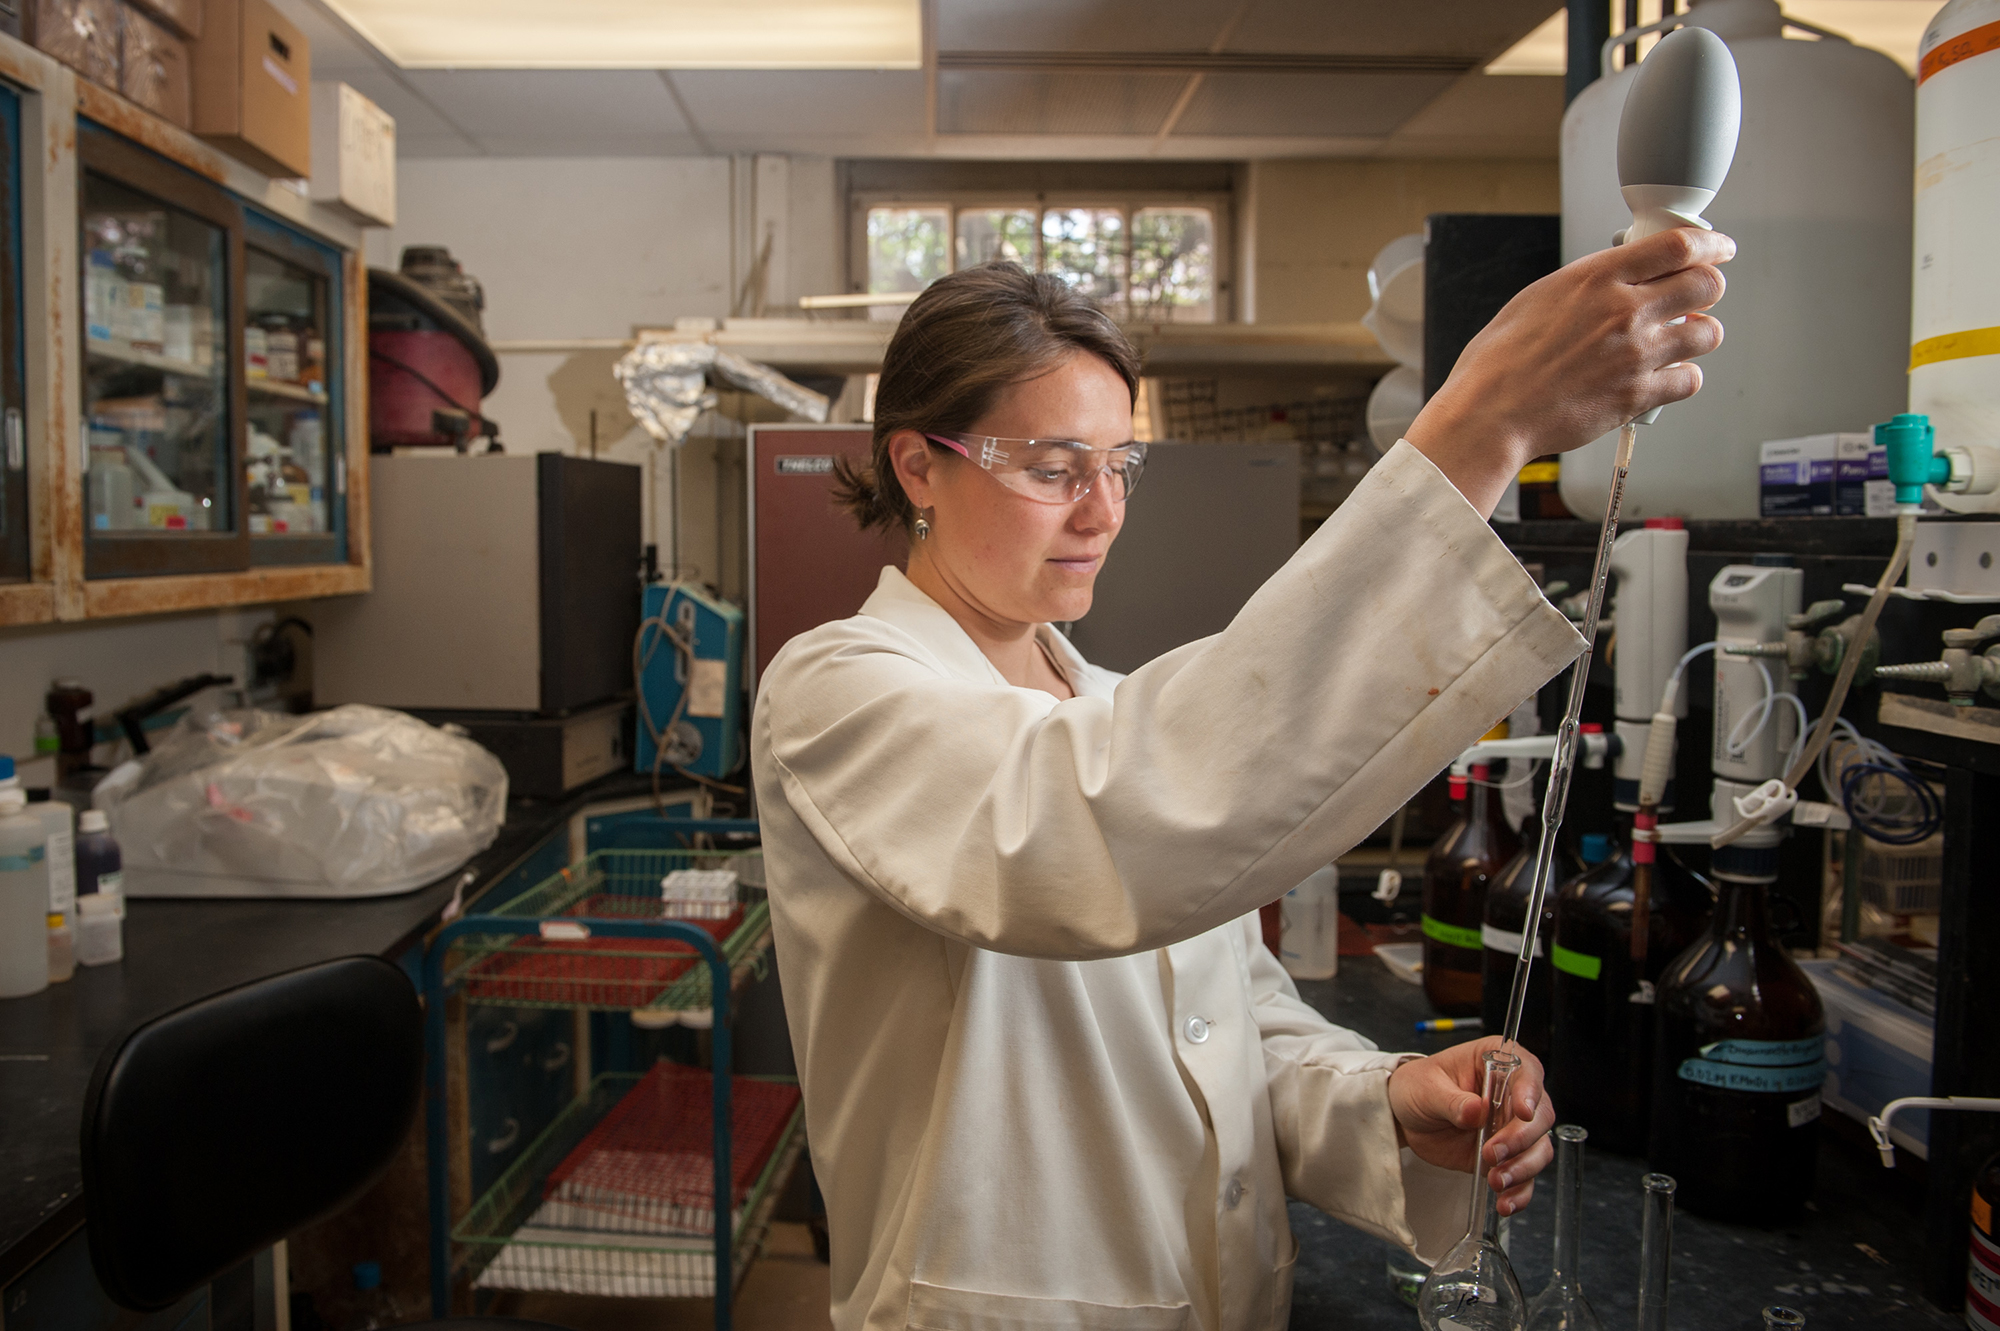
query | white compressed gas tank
[1818, 300]
[1955, 285]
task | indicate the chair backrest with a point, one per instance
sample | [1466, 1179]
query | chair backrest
[215, 1130]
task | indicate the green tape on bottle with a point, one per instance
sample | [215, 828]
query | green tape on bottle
[1452, 935]
[1579, 964]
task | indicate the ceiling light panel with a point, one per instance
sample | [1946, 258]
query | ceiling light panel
[641, 34]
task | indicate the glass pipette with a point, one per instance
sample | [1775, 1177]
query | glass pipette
[1564, 762]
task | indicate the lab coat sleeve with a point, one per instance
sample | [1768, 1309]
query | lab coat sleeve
[1336, 1135]
[1213, 779]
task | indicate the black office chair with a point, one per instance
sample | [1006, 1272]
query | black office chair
[214, 1131]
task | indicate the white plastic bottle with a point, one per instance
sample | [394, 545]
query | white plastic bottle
[24, 891]
[1955, 283]
[100, 935]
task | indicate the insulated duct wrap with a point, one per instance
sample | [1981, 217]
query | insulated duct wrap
[667, 386]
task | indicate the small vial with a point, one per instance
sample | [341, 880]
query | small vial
[100, 935]
[62, 948]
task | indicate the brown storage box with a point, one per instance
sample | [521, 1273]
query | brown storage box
[253, 86]
[182, 16]
[83, 34]
[153, 69]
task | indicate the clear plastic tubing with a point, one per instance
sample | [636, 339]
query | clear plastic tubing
[1656, 1251]
[1563, 764]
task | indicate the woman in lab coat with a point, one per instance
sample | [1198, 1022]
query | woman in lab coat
[1052, 1076]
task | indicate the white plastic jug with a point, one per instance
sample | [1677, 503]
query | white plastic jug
[1310, 944]
[24, 898]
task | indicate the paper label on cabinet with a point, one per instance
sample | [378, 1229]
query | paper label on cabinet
[708, 690]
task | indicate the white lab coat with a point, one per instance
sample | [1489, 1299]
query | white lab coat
[1052, 1077]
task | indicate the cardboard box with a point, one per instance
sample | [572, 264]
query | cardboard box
[1861, 485]
[1795, 477]
[83, 34]
[354, 155]
[253, 86]
[154, 69]
[182, 16]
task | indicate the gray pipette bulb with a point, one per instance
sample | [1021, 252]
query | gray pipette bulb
[1678, 135]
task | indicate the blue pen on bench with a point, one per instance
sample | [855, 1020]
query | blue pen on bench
[1438, 1025]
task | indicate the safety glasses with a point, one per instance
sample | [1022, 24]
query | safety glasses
[1051, 471]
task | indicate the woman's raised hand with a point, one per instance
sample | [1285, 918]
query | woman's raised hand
[1587, 348]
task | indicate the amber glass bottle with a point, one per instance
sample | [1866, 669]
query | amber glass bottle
[1506, 908]
[1601, 1065]
[1982, 1273]
[1741, 1055]
[1464, 860]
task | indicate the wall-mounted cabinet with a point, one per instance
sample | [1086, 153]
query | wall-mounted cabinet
[181, 391]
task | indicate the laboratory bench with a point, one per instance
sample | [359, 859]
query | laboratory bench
[1853, 1261]
[177, 951]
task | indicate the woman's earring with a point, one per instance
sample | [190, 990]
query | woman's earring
[923, 529]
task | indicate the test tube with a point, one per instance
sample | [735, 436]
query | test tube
[1656, 1251]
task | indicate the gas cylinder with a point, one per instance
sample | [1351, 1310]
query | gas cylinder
[1955, 282]
[1818, 299]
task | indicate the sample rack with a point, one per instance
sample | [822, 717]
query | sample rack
[592, 938]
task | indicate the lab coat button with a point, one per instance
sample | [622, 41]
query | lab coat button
[1196, 1030]
[1233, 1194]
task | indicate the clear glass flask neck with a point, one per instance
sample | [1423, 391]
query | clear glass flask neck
[1656, 1251]
[1562, 1307]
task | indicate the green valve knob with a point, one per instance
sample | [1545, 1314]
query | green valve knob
[1913, 463]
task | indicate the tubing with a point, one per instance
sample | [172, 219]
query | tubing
[1906, 537]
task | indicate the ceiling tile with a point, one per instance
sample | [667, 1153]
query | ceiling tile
[580, 107]
[840, 103]
[1316, 105]
[1079, 25]
[1012, 102]
[1404, 28]
[1517, 115]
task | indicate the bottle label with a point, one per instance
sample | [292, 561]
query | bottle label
[1451, 935]
[1579, 964]
[1500, 940]
[1982, 1285]
[1769, 1066]
[1982, 1212]
[26, 860]
[61, 848]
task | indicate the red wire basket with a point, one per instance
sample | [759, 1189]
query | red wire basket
[593, 972]
[649, 1167]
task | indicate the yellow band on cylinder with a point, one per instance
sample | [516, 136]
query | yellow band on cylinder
[1956, 346]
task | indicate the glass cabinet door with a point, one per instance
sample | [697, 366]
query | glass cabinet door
[293, 473]
[162, 256]
[15, 551]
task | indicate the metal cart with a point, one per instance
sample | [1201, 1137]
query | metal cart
[593, 939]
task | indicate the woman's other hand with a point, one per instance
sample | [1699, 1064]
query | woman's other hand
[1574, 356]
[1440, 1106]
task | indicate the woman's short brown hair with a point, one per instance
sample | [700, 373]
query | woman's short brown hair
[969, 335]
